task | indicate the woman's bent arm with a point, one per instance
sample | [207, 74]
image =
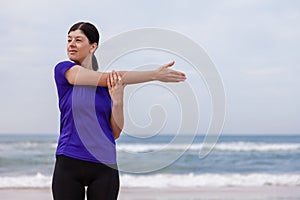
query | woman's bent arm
[116, 91]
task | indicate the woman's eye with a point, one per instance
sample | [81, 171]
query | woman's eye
[78, 40]
[69, 41]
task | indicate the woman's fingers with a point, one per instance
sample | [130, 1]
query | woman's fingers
[168, 64]
[115, 76]
[115, 79]
[111, 79]
[176, 78]
[108, 83]
[178, 73]
[119, 78]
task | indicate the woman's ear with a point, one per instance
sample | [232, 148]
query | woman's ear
[93, 47]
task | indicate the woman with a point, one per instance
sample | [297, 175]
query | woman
[91, 106]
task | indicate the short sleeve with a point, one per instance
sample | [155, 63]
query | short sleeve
[59, 72]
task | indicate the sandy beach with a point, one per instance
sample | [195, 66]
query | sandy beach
[208, 193]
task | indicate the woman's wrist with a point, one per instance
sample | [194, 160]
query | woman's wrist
[118, 103]
[154, 75]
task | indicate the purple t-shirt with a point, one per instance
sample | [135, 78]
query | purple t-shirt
[85, 129]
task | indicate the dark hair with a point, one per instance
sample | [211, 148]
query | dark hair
[91, 32]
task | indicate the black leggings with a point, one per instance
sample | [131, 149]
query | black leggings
[72, 175]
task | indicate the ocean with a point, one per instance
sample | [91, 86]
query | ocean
[27, 161]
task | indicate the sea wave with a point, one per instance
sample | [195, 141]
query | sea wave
[211, 180]
[148, 147]
[26, 145]
[25, 181]
[169, 180]
[229, 146]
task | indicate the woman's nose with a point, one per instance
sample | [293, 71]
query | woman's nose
[72, 43]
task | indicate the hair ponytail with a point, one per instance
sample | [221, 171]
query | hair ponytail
[94, 63]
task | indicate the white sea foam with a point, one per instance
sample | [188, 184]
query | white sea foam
[229, 146]
[170, 180]
[212, 180]
[248, 146]
[26, 181]
[139, 147]
[26, 145]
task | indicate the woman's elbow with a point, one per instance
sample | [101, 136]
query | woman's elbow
[117, 134]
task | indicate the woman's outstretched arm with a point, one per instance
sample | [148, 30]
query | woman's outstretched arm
[78, 75]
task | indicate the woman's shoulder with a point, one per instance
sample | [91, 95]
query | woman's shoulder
[61, 68]
[65, 63]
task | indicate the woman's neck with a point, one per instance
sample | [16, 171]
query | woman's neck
[87, 62]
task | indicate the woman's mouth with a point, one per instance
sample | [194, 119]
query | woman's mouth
[72, 51]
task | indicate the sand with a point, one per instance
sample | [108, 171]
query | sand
[207, 193]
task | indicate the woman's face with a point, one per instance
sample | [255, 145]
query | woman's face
[79, 46]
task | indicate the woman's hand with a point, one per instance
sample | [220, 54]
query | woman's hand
[165, 74]
[116, 87]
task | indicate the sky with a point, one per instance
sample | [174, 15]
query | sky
[254, 45]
